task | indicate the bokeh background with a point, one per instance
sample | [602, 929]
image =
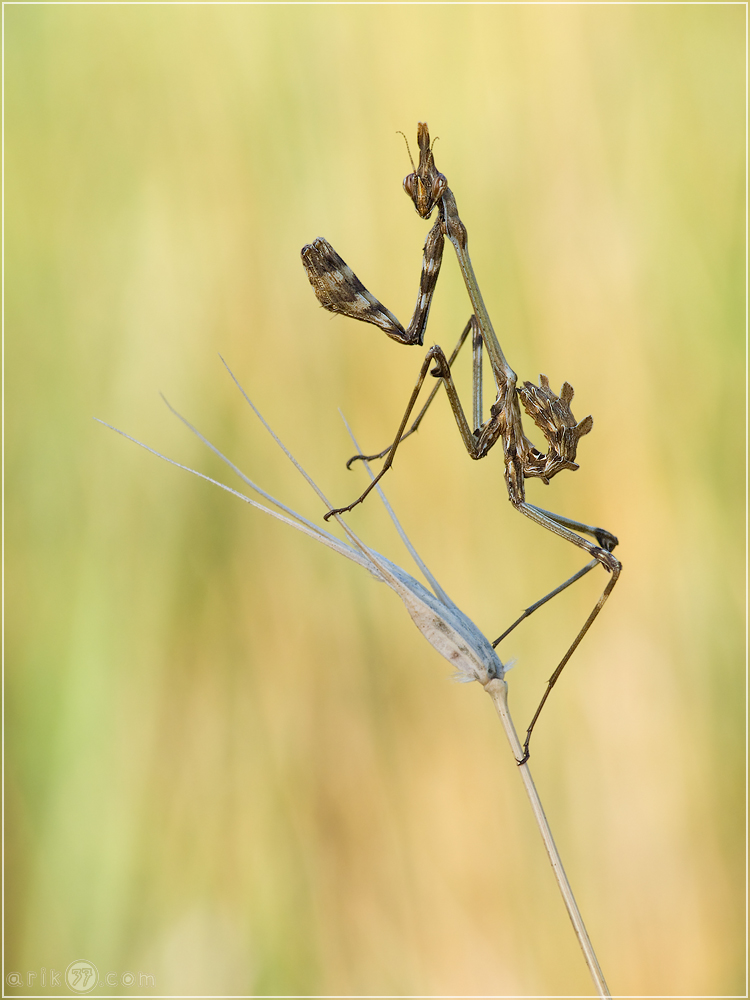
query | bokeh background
[232, 762]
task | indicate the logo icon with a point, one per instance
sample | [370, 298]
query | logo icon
[81, 976]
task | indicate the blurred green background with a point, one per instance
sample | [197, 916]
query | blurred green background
[232, 762]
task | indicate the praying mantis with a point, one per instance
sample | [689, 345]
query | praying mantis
[340, 291]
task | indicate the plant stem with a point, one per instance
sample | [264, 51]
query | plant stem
[498, 691]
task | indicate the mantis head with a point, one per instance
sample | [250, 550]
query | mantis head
[425, 185]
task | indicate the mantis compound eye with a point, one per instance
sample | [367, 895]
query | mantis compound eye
[439, 186]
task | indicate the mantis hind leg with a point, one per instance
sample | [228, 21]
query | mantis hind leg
[567, 528]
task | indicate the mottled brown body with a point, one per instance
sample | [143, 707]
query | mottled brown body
[339, 290]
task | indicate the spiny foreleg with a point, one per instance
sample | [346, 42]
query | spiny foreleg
[339, 290]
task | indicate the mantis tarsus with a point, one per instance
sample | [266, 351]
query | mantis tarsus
[340, 291]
